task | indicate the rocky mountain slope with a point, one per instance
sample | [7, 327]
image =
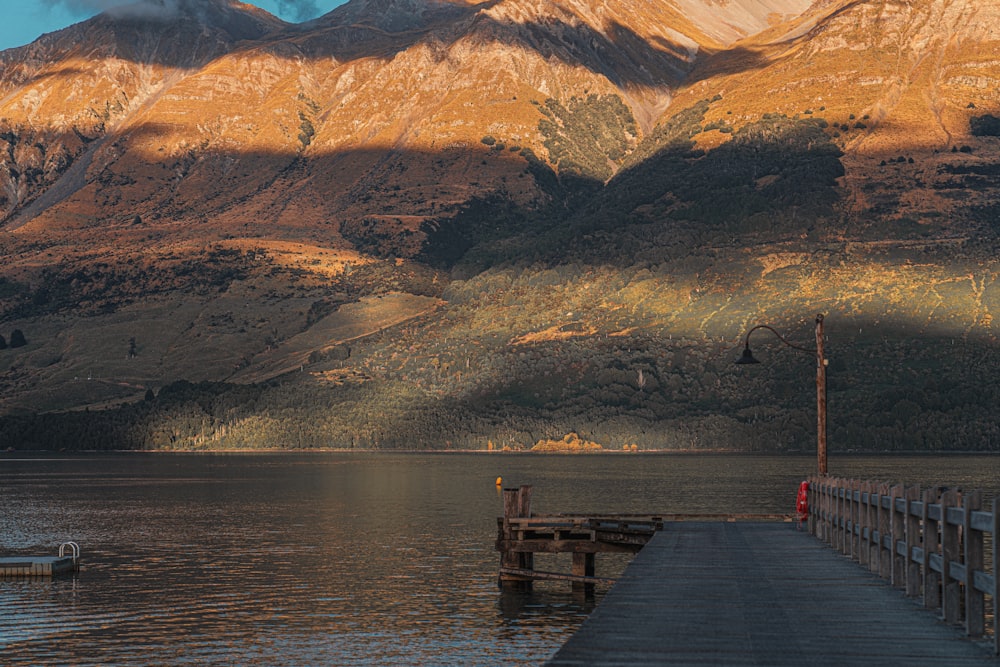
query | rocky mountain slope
[429, 223]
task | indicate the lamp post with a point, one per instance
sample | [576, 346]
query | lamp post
[748, 358]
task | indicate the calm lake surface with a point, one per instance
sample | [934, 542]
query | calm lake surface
[342, 559]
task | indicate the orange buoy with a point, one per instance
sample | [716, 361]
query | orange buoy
[499, 481]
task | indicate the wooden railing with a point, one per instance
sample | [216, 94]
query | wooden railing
[938, 543]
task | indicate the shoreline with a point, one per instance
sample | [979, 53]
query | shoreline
[484, 452]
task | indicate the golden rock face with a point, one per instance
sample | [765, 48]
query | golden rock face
[228, 114]
[227, 119]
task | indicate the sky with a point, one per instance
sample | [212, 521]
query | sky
[23, 21]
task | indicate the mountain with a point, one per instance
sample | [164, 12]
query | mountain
[435, 223]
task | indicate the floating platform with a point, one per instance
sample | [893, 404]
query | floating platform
[42, 566]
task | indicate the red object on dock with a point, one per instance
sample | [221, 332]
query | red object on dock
[802, 504]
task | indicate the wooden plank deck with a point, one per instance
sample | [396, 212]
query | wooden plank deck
[718, 593]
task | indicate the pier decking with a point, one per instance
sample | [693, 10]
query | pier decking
[723, 593]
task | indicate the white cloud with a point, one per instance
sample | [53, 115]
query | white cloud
[298, 10]
[87, 6]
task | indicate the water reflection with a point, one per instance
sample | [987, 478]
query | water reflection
[544, 607]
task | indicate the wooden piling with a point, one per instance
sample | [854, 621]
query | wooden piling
[516, 505]
[583, 566]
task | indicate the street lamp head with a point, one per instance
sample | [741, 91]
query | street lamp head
[747, 357]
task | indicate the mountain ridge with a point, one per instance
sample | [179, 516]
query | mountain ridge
[567, 212]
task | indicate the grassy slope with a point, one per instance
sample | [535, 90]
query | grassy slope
[615, 314]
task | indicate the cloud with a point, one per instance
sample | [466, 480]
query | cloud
[152, 9]
[298, 10]
[87, 6]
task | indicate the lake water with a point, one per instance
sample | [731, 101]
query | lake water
[342, 559]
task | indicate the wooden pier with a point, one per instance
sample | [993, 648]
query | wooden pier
[42, 566]
[764, 592]
[722, 593]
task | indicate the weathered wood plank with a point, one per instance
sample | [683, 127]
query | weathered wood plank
[758, 594]
[531, 575]
[548, 546]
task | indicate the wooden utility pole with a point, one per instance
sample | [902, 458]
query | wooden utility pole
[820, 399]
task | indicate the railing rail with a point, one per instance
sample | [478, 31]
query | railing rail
[938, 543]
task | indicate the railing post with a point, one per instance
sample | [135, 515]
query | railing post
[884, 555]
[842, 515]
[855, 513]
[996, 576]
[857, 488]
[848, 549]
[864, 530]
[975, 603]
[912, 540]
[932, 542]
[827, 511]
[813, 496]
[872, 522]
[864, 524]
[831, 515]
[950, 587]
[860, 515]
[812, 525]
[898, 530]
